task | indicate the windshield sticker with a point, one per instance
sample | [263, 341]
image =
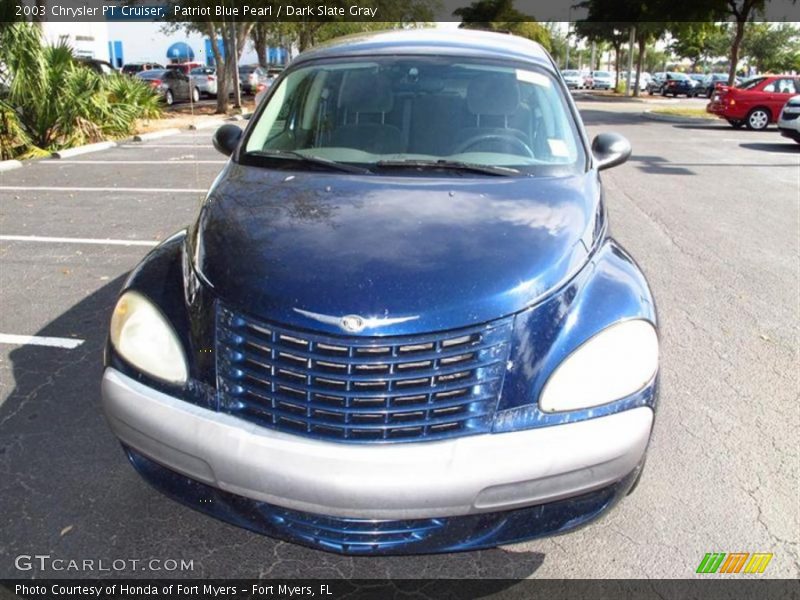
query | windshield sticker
[558, 147]
[532, 77]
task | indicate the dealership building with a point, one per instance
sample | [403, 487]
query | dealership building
[124, 41]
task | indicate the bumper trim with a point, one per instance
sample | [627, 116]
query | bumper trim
[461, 476]
[385, 537]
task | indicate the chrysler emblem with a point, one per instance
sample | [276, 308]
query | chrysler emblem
[354, 323]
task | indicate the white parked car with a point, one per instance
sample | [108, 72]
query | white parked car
[789, 119]
[573, 79]
[602, 80]
[643, 79]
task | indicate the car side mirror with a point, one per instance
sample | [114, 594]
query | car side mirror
[610, 150]
[226, 138]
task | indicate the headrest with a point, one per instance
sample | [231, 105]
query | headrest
[495, 94]
[364, 91]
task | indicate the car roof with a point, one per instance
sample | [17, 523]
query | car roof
[428, 41]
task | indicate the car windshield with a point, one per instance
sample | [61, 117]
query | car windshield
[678, 76]
[418, 111]
[602, 74]
[570, 73]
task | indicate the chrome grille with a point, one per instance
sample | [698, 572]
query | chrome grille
[360, 389]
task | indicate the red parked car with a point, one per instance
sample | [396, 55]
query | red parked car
[756, 102]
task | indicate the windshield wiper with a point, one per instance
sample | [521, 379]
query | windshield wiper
[453, 165]
[310, 159]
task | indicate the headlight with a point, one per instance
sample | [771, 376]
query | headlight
[615, 363]
[142, 336]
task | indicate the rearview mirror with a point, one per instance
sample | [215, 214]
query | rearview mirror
[610, 150]
[226, 138]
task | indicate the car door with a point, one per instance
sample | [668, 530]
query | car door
[172, 83]
[182, 83]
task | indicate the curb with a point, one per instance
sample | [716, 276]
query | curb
[69, 152]
[154, 135]
[590, 97]
[649, 114]
[7, 165]
[207, 124]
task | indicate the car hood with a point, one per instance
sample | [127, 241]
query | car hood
[409, 253]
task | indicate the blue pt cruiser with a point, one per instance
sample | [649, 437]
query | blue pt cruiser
[399, 323]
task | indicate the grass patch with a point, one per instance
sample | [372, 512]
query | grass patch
[691, 113]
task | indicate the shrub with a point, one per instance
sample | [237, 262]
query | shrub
[48, 101]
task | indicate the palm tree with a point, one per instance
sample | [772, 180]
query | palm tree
[48, 101]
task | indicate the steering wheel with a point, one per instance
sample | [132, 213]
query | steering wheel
[477, 139]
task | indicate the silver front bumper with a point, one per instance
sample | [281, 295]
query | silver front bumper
[473, 474]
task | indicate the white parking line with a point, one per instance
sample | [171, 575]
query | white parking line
[168, 161]
[27, 188]
[62, 240]
[35, 340]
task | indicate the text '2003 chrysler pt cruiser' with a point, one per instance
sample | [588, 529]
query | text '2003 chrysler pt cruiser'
[399, 324]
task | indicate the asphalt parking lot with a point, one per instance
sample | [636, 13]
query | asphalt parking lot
[710, 213]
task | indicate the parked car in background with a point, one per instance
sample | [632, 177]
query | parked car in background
[789, 119]
[250, 76]
[706, 87]
[573, 79]
[185, 68]
[173, 85]
[495, 381]
[655, 83]
[602, 80]
[623, 77]
[697, 79]
[205, 78]
[274, 71]
[756, 102]
[675, 84]
[101, 67]
[138, 67]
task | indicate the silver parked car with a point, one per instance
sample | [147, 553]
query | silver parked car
[789, 119]
[205, 79]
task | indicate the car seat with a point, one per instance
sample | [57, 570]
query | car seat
[364, 99]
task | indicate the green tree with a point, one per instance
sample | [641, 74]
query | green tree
[700, 41]
[500, 15]
[615, 34]
[771, 47]
[737, 11]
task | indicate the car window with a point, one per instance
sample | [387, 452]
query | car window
[751, 83]
[785, 86]
[402, 108]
